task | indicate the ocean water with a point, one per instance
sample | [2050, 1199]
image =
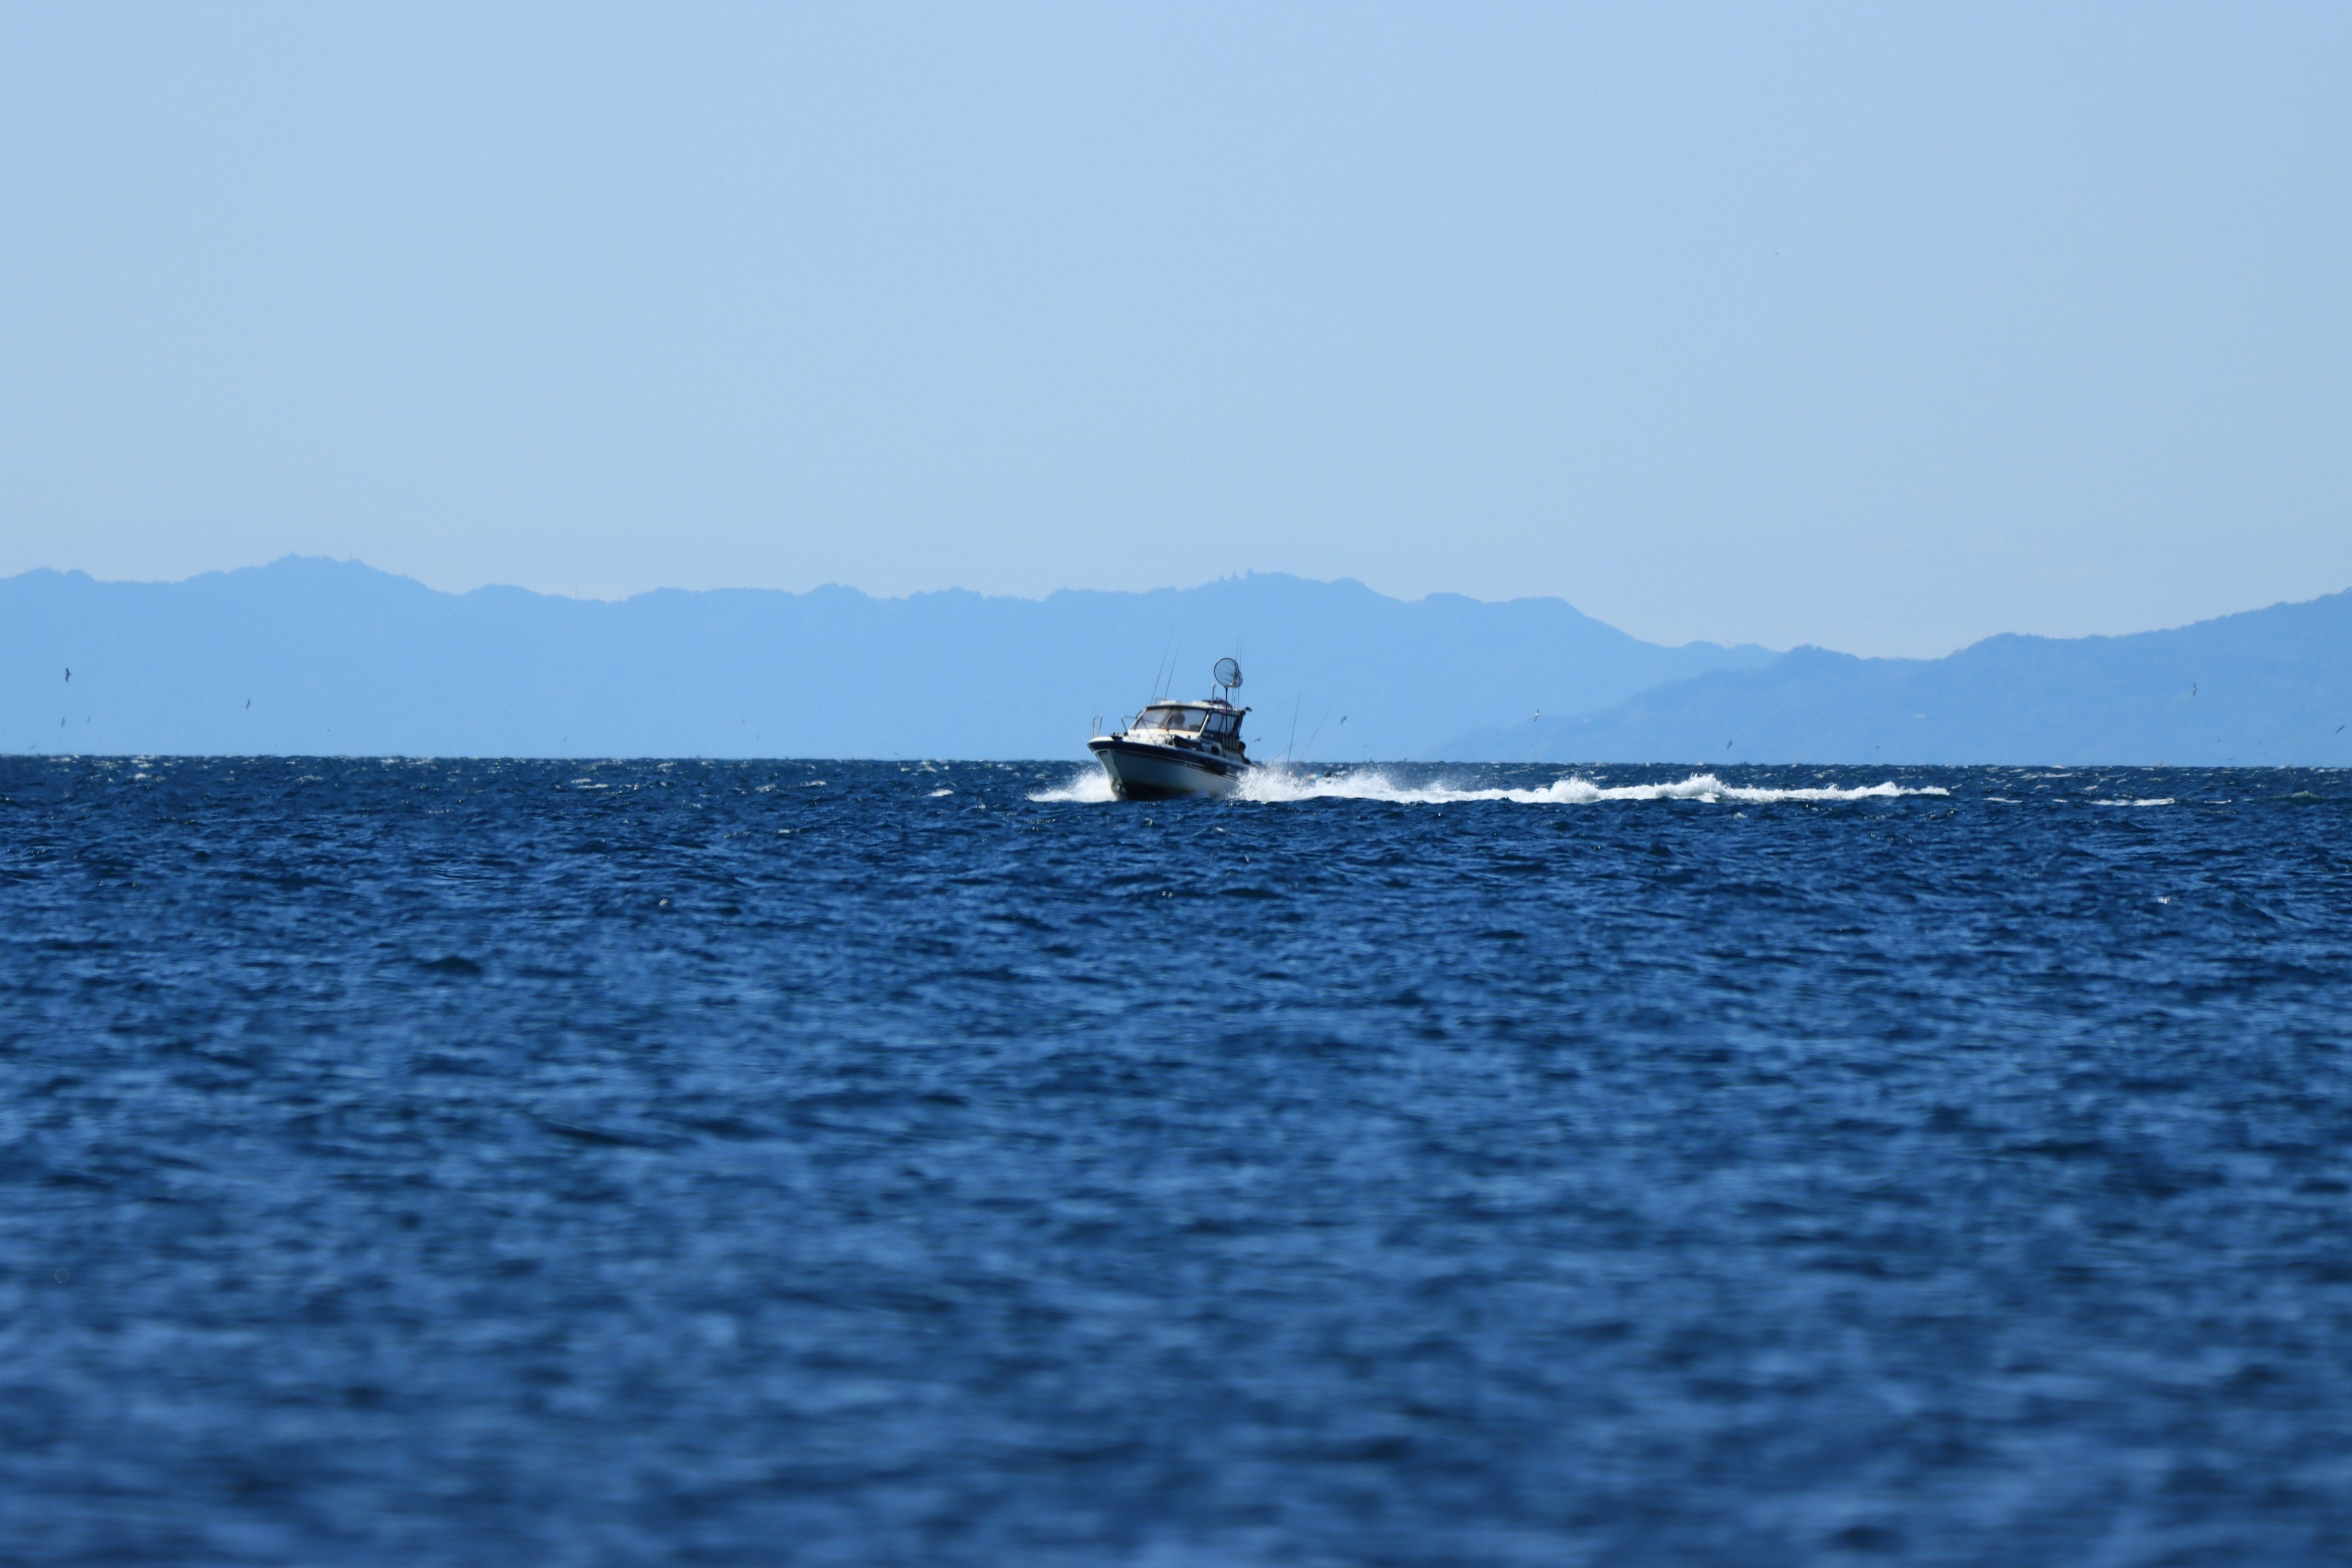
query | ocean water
[417, 1163]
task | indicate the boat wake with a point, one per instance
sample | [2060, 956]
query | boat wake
[1371, 784]
[1276, 784]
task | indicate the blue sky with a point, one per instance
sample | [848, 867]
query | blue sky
[1886, 328]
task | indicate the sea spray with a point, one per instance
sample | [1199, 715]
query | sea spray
[1089, 785]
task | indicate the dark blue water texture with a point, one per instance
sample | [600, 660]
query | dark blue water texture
[867, 1163]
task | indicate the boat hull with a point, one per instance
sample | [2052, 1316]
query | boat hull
[1140, 772]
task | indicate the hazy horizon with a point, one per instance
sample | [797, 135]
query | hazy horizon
[1883, 330]
[310, 655]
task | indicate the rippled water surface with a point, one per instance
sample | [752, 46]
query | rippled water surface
[868, 1163]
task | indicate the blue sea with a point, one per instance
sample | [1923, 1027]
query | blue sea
[524, 1162]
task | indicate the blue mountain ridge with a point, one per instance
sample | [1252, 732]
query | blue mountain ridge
[314, 657]
[310, 656]
[2270, 687]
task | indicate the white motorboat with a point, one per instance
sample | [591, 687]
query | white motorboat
[1171, 749]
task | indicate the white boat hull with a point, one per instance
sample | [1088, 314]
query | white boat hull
[1142, 771]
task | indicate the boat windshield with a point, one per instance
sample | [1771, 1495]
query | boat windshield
[1173, 719]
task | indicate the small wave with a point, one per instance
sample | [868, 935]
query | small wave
[2166, 801]
[937, 793]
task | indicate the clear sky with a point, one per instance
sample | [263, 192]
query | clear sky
[1880, 327]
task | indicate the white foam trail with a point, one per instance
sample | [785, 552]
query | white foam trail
[1273, 783]
[1276, 783]
[2166, 801]
[1089, 786]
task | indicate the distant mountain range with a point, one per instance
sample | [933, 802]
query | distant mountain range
[310, 657]
[2268, 687]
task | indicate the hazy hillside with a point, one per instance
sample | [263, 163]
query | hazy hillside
[309, 655]
[2270, 686]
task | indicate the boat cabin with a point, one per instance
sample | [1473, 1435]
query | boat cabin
[1218, 724]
